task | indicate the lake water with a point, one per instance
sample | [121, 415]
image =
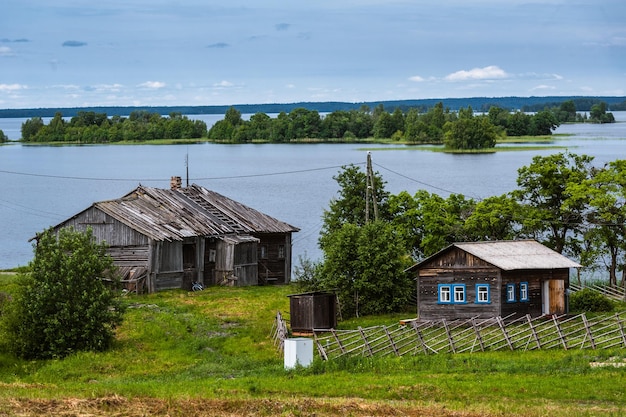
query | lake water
[44, 185]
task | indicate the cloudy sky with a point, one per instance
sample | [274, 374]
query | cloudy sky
[70, 53]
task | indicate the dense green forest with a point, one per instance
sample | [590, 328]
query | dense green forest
[462, 129]
[481, 104]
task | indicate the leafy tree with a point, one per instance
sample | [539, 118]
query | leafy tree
[30, 129]
[3, 136]
[598, 114]
[550, 211]
[493, 218]
[543, 123]
[233, 116]
[428, 222]
[365, 266]
[350, 205]
[470, 133]
[63, 306]
[606, 220]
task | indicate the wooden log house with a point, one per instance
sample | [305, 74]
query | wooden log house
[170, 238]
[489, 279]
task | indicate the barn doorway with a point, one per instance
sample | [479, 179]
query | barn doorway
[553, 297]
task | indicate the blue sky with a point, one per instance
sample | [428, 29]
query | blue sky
[71, 53]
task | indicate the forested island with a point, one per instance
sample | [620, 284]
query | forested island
[463, 129]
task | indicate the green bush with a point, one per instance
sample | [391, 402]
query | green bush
[588, 300]
[63, 305]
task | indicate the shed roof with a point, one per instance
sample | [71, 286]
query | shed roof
[172, 215]
[510, 255]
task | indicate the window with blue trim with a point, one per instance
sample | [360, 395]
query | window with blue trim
[451, 294]
[523, 291]
[510, 293]
[459, 293]
[483, 295]
[444, 292]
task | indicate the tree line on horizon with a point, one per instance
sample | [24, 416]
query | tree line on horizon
[438, 125]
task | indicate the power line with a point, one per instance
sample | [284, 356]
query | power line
[140, 180]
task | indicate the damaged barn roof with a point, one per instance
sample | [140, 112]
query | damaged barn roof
[174, 214]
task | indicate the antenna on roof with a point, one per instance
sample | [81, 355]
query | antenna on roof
[187, 165]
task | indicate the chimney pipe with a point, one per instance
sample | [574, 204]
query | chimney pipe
[175, 183]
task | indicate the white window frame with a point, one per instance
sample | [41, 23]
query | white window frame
[459, 294]
[444, 294]
[451, 294]
[523, 292]
[510, 293]
[483, 294]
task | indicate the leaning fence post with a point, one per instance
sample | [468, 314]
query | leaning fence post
[391, 342]
[334, 333]
[320, 348]
[588, 330]
[420, 339]
[450, 340]
[558, 329]
[478, 335]
[504, 333]
[533, 331]
[367, 345]
[621, 328]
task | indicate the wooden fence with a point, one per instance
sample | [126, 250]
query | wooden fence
[615, 293]
[441, 336]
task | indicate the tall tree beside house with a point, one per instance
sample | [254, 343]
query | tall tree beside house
[550, 211]
[63, 306]
[364, 261]
[605, 234]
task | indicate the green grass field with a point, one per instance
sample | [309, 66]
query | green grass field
[210, 353]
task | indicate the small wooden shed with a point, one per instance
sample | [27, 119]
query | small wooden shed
[312, 310]
[489, 279]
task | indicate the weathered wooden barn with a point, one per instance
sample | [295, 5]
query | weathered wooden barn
[170, 238]
[489, 279]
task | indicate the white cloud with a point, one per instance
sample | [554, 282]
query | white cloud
[223, 84]
[153, 85]
[542, 87]
[12, 87]
[487, 73]
[416, 78]
[5, 51]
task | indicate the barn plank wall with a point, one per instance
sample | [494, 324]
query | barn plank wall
[105, 228]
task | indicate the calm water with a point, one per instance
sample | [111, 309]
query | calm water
[41, 186]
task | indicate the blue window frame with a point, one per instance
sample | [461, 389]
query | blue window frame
[483, 294]
[523, 292]
[510, 293]
[451, 294]
[444, 292]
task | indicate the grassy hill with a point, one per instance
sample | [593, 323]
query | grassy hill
[210, 353]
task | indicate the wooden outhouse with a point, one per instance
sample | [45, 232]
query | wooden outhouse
[489, 279]
[312, 310]
[170, 238]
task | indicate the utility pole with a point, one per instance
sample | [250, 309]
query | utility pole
[370, 192]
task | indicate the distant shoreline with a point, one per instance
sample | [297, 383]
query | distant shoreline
[477, 103]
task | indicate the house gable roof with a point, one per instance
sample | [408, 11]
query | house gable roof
[240, 217]
[510, 255]
[172, 215]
